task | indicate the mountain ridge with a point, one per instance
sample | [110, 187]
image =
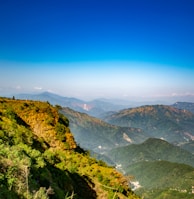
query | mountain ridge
[153, 149]
[94, 107]
[100, 135]
[40, 159]
[184, 106]
[160, 121]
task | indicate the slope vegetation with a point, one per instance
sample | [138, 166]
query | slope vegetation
[40, 159]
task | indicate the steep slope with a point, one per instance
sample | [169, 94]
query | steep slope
[169, 123]
[40, 159]
[100, 135]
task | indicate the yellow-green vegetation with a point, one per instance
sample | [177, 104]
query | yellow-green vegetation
[39, 158]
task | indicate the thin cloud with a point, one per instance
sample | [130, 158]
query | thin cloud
[18, 87]
[182, 94]
[37, 88]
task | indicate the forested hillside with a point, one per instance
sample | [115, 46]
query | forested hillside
[151, 150]
[161, 169]
[184, 106]
[39, 158]
[101, 136]
[163, 179]
[159, 121]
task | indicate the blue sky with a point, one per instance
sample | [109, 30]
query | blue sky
[97, 48]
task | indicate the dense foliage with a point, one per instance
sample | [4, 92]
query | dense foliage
[39, 158]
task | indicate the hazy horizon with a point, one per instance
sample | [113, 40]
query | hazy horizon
[130, 101]
[98, 49]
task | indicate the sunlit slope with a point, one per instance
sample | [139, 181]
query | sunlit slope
[40, 159]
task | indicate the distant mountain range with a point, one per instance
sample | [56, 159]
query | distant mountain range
[159, 121]
[160, 168]
[184, 106]
[173, 123]
[154, 143]
[98, 107]
[93, 108]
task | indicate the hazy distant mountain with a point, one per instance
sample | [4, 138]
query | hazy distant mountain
[94, 108]
[51, 98]
[98, 107]
[97, 135]
[160, 121]
[189, 146]
[184, 106]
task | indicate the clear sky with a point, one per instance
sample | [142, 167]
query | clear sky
[97, 48]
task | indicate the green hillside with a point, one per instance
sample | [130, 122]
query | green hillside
[151, 150]
[169, 123]
[160, 178]
[158, 167]
[157, 174]
[39, 158]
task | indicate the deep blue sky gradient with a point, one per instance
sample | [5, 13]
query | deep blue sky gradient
[97, 47]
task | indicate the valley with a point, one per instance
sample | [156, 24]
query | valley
[97, 99]
[152, 144]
